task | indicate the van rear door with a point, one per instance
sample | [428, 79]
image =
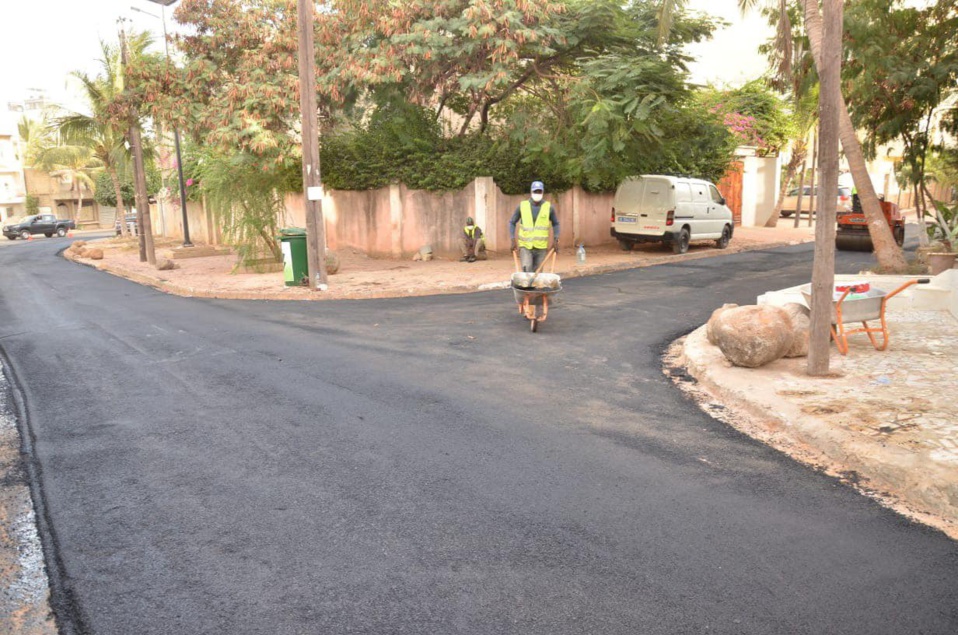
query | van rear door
[628, 200]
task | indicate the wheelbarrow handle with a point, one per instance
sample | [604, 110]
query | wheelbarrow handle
[905, 286]
[545, 260]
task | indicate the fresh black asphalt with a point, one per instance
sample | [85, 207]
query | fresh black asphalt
[428, 465]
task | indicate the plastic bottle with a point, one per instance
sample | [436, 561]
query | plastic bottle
[580, 254]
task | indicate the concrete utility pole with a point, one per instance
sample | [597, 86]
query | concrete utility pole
[823, 270]
[176, 133]
[144, 224]
[312, 181]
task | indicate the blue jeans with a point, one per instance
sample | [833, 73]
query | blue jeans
[530, 259]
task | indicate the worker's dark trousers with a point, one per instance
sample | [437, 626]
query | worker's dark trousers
[530, 259]
[472, 247]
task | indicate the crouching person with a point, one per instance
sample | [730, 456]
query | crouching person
[471, 243]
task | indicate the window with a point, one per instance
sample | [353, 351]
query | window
[700, 193]
[716, 196]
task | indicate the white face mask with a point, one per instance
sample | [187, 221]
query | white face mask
[537, 196]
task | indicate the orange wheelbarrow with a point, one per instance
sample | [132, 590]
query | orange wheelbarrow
[851, 307]
[532, 291]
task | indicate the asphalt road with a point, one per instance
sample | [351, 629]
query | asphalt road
[430, 466]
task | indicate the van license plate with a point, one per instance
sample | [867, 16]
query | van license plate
[626, 219]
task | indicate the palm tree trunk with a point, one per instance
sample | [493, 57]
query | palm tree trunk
[120, 210]
[889, 254]
[79, 199]
[801, 191]
[798, 155]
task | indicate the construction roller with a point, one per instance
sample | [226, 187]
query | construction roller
[853, 241]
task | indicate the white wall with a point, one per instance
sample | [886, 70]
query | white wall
[761, 178]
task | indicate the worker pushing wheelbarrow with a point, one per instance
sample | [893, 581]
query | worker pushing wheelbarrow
[533, 290]
[530, 250]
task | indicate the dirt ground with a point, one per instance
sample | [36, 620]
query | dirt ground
[361, 276]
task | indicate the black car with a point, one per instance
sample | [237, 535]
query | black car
[130, 225]
[46, 224]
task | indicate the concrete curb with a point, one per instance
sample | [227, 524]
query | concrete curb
[192, 292]
[906, 481]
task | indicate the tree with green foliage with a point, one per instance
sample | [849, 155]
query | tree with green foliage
[435, 94]
[101, 128]
[901, 62]
[76, 162]
[106, 192]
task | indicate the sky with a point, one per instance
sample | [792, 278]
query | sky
[44, 40]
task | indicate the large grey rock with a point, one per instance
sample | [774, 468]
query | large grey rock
[709, 325]
[165, 264]
[752, 336]
[799, 316]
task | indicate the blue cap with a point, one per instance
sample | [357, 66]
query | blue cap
[537, 186]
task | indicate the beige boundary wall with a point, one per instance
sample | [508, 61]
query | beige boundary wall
[396, 221]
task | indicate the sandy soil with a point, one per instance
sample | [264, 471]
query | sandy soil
[363, 277]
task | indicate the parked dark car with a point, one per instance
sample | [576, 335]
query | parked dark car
[130, 225]
[46, 224]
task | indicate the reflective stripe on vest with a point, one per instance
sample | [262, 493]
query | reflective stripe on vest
[534, 234]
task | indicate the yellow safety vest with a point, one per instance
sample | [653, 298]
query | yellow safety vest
[470, 231]
[534, 234]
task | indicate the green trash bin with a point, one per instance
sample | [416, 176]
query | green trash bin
[295, 261]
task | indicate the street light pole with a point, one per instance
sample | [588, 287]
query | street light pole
[176, 133]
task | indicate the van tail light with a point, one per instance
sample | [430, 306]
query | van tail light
[670, 218]
[612, 220]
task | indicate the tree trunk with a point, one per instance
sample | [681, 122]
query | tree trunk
[889, 254]
[798, 155]
[801, 191]
[814, 193]
[79, 199]
[120, 210]
[823, 269]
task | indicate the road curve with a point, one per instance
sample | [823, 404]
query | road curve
[429, 466]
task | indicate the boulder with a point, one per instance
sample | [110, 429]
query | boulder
[94, 254]
[416, 257]
[752, 336]
[165, 264]
[799, 316]
[82, 252]
[78, 243]
[709, 325]
[332, 262]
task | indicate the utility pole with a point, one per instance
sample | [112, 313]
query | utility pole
[312, 181]
[144, 224]
[823, 270]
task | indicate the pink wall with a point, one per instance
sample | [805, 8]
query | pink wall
[396, 221]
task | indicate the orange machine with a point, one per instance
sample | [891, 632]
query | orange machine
[852, 233]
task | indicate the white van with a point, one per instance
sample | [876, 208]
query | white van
[670, 209]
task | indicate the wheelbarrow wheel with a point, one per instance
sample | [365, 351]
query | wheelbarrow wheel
[534, 324]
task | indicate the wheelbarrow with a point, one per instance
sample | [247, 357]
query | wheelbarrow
[860, 303]
[532, 291]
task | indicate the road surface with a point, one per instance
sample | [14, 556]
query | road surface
[427, 465]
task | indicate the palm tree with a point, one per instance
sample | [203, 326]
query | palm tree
[76, 162]
[35, 135]
[101, 130]
[890, 256]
